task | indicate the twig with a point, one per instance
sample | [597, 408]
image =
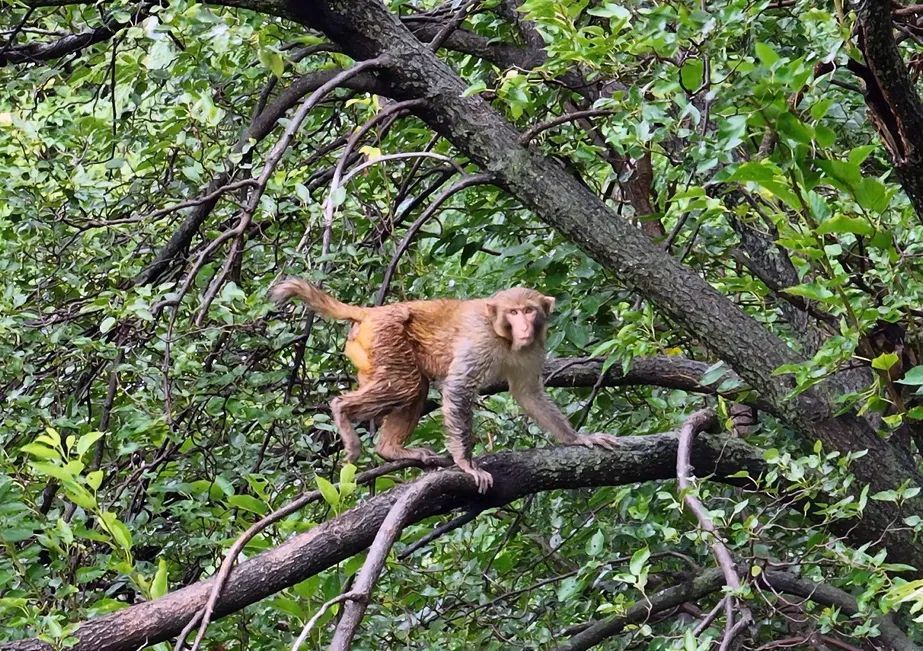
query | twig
[272, 160]
[320, 613]
[533, 131]
[464, 182]
[354, 138]
[451, 26]
[390, 529]
[203, 617]
[408, 154]
[441, 530]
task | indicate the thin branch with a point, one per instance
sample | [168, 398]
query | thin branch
[204, 616]
[697, 422]
[441, 530]
[391, 528]
[353, 595]
[641, 611]
[533, 131]
[272, 160]
[461, 184]
[335, 183]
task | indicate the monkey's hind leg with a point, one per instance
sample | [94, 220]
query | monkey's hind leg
[384, 393]
[397, 428]
[351, 443]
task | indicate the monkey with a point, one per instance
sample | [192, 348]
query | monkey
[398, 349]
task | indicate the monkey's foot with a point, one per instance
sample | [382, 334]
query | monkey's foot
[482, 478]
[599, 439]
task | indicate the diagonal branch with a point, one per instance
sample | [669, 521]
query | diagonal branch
[892, 99]
[398, 517]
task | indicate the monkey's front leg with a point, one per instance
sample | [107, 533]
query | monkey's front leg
[540, 408]
[458, 395]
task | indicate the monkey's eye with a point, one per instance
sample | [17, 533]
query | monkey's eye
[514, 312]
[528, 309]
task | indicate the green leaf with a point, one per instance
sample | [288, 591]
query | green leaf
[86, 441]
[347, 473]
[107, 324]
[595, 544]
[328, 491]
[794, 129]
[692, 74]
[885, 361]
[638, 561]
[95, 479]
[41, 451]
[913, 377]
[843, 224]
[765, 54]
[610, 10]
[814, 291]
[79, 495]
[273, 61]
[159, 584]
[118, 530]
[247, 503]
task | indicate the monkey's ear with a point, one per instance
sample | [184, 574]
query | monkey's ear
[548, 304]
[490, 309]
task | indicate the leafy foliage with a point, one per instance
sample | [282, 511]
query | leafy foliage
[143, 427]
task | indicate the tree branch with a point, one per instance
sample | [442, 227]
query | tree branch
[643, 458]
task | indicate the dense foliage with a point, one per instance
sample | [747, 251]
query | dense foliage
[150, 414]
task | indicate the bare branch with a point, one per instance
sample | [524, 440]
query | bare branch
[706, 583]
[533, 131]
[204, 616]
[696, 423]
[391, 528]
[461, 184]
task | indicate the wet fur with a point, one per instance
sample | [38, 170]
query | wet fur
[398, 349]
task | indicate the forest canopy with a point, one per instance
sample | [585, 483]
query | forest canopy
[725, 199]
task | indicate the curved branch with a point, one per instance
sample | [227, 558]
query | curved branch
[706, 583]
[638, 458]
[70, 44]
[387, 535]
[461, 184]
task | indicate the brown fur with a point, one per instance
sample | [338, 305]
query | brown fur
[398, 349]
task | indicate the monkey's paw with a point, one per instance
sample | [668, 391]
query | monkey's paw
[482, 478]
[599, 439]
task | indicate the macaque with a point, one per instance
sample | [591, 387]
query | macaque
[399, 349]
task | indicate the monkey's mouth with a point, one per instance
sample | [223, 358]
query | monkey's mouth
[520, 343]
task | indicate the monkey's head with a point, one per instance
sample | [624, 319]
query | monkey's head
[520, 316]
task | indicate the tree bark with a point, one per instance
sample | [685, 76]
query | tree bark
[639, 458]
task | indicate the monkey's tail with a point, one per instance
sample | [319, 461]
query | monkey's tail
[318, 300]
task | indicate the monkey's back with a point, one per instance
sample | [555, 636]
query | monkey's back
[435, 327]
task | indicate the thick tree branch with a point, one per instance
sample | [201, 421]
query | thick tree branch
[643, 458]
[894, 105]
[706, 583]
[827, 595]
[70, 44]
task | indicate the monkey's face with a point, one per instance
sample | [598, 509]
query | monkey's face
[520, 319]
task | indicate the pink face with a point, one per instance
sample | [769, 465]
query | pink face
[523, 323]
[521, 319]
